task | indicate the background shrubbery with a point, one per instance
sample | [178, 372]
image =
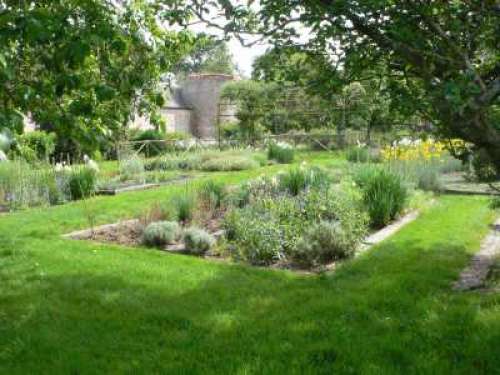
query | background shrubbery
[280, 152]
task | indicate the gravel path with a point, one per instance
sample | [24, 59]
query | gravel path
[474, 276]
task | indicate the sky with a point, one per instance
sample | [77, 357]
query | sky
[242, 56]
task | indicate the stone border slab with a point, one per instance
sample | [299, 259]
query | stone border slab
[138, 187]
[126, 189]
[474, 276]
[386, 232]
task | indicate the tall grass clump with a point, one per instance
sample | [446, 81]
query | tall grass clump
[299, 179]
[364, 173]
[82, 182]
[213, 193]
[360, 154]
[384, 196]
[281, 152]
[24, 185]
[185, 206]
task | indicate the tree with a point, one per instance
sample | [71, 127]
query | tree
[364, 104]
[83, 68]
[208, 55]
[449, 50]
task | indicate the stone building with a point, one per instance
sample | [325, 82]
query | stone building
[194, 105]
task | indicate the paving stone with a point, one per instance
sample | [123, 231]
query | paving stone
[474, 276]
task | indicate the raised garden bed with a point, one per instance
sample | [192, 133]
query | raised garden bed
[127, 187]
[300, 219]
[129, 233]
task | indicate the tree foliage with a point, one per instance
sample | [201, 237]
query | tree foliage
[207, 55]
[447, 50]
[363, 104]
[83, 68]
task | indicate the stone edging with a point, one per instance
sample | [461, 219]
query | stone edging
[368, 242]
[474, 276]
[381, 235]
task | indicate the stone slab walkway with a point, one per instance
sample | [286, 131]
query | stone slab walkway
[474, 276]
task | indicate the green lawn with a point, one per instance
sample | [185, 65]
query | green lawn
[75, 307]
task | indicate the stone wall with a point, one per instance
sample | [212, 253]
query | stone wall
[178, 120]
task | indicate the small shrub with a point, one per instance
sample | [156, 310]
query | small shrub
[82, 183]
[281, 152]
[230, 130]
[172, 161]
[213, 193]
[429, 179]
[362, 154]
[160, 233]
[132, 169]
[198, 241]
[257, 237]
[324, 242]
[384, 196]
[358, 154]
[233, 163]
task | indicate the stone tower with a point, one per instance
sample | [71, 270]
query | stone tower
[201, 92]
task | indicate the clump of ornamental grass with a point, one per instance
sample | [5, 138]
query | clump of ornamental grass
[385, 196]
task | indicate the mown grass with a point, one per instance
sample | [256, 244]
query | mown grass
[81, 307]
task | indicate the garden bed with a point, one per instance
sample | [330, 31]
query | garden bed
[127, 187]
[302, 219]
[129, 233]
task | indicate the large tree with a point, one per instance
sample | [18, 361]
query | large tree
[83, 68]
[448, 49]
[364, 104]
[207, 55]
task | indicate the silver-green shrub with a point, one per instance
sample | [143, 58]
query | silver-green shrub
[132, 169]
[198, 241]
[160, 233]
[324, 242]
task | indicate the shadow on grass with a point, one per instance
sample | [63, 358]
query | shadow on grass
[388, 311]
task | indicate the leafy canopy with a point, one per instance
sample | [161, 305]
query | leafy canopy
[83, 68]
[446, 50]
